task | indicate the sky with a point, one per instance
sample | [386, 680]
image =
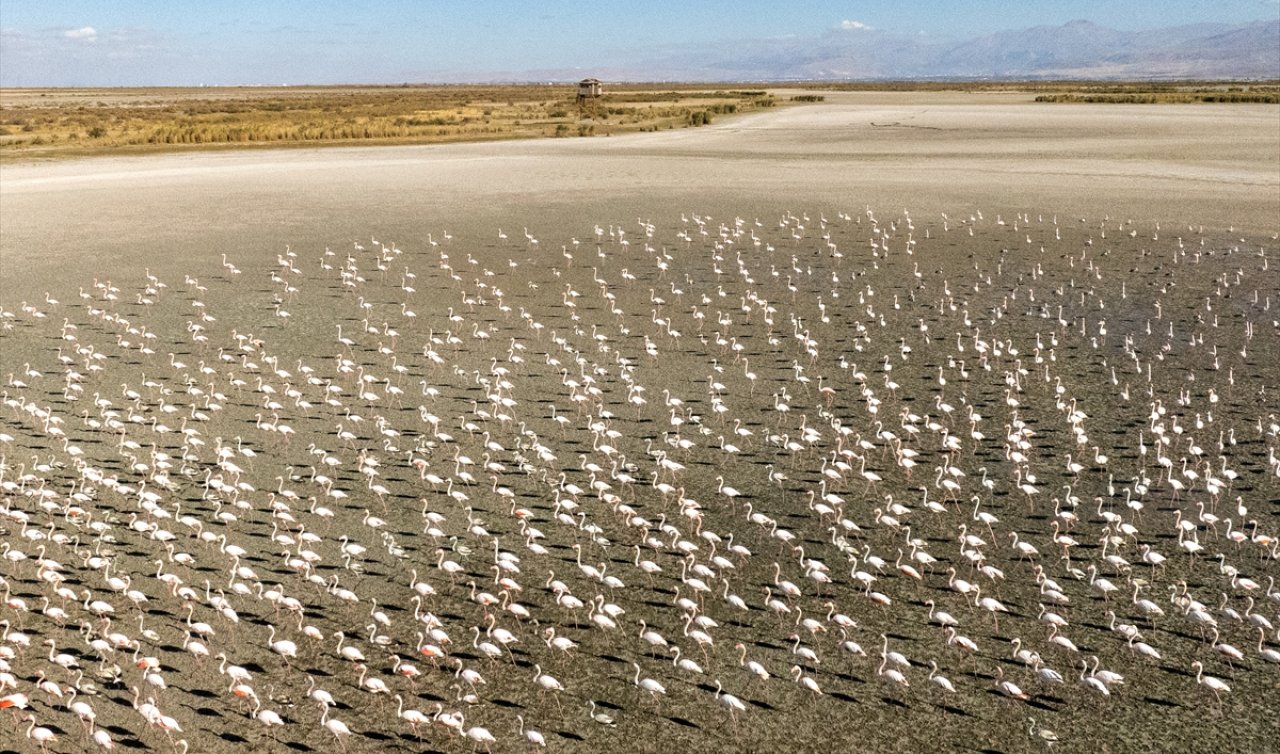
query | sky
[253, 42]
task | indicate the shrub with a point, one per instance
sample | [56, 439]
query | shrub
[699, 118]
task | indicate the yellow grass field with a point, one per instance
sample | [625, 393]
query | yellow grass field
[43, 123]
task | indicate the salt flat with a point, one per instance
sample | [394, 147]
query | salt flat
[930, 152]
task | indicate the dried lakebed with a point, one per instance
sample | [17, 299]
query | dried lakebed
[773, 444]
[596, 477]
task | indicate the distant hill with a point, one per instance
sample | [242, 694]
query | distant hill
[1078, 49]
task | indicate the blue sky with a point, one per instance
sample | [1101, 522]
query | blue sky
[134, 43]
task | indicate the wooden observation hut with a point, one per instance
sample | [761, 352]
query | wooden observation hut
[589, 93]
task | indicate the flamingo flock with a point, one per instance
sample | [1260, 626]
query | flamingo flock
[645, 479]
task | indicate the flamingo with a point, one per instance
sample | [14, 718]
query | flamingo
[892, 674]
[1216, 685]
[284, 647]
[940, 681]
[648, 684]
[336, 727]
[729, 702]
[41, 735]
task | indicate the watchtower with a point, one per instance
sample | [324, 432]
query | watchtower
[589, 93]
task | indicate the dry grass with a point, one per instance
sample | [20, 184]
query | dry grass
[1151, 93]
[1082, 91]
[45, 123]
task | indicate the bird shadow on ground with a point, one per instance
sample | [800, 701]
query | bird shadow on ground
[201, 693]
[378, 736]
[955, 710]
[231, 737]
[570, 735]
[206, 711]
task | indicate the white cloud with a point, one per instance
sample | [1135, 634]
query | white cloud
[85, 33]
[854, 26]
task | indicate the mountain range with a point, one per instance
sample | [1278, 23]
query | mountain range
[1075, 50]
